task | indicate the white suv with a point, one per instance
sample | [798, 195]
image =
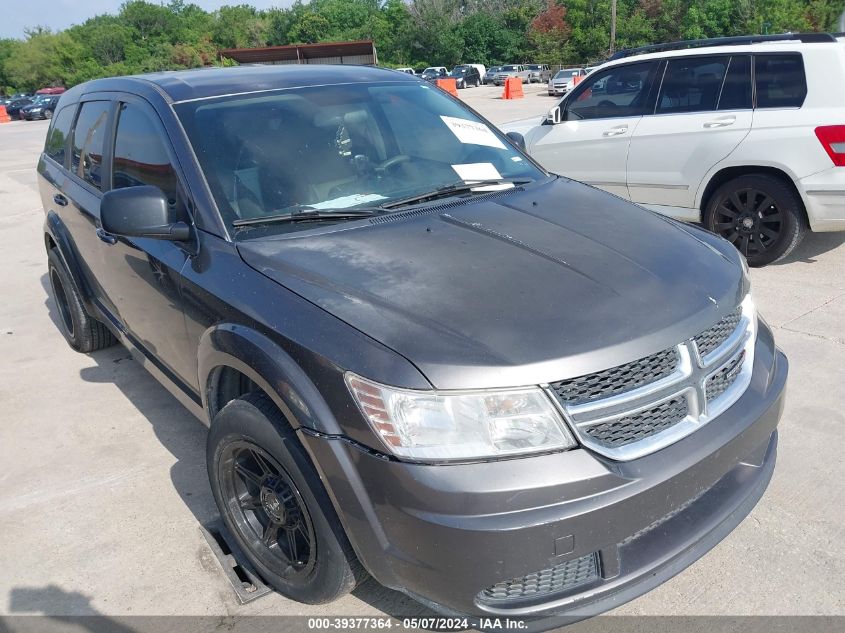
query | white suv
[745, 135]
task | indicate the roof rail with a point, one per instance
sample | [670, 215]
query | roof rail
[806, 38]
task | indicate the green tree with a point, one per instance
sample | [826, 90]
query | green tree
[310, 28]
[239, 26]
[549, 32]
[8, 49]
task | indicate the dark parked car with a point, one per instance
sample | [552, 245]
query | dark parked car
[420, 355]
[13, 108]
[466, 76]
[41, 108]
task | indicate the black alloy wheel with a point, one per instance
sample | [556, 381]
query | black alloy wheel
[267, 509]
[275, 505]
[82, 332]
[760, 215]
[61, 299]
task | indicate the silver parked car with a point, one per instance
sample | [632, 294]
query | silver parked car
[564, 80]
[511, 70]
[490, 76]
[540, 73]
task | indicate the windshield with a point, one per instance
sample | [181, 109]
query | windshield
[534, 66]
[567, 73]
[341, 147]
[460, 70]
[510, 68]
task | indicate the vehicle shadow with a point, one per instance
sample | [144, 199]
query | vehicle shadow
[183, 435]
[813, 245]
[62, 608]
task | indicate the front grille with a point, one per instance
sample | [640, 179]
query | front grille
[721, 381]
[670, 393]
[545, 582]
[616, 380]
[641, 425]
[709, 340]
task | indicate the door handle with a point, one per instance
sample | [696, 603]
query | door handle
[723, 122]
[616, 131]
[108, 238]
[60, 200]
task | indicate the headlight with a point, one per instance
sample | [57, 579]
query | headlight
[438, 426]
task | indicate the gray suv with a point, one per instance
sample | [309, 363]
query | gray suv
[421, 357]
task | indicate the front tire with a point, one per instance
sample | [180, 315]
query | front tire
[275, 506]
[82, 332]
[760, 214]
[48, 114]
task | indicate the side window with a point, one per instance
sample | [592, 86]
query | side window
[692, 84]
[615, 92]
[58, 135]
[780, 81]
[140, 154]
[88, 142]
[736, 93]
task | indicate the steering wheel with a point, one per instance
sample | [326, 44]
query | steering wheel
[385, 166]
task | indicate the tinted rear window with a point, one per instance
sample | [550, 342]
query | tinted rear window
[88, 140]
[736, 93]
[780, 81]
[57, 138]
[692, 85]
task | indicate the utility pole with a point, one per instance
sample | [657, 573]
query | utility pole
[613, 27]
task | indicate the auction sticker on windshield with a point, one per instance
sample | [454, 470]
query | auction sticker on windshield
[477, 171]
[472, 132]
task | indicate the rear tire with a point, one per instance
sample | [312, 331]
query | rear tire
[82, 332]
[274, 505]
[760, 214]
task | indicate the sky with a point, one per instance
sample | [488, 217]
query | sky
[60, 14]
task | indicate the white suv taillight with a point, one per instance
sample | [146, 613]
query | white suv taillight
[832, 138]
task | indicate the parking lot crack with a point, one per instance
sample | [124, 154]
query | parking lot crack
[811, 310]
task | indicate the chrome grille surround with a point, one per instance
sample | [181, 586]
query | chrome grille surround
[709, 385]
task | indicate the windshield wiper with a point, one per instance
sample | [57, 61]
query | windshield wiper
[309, 215]
[451, 190]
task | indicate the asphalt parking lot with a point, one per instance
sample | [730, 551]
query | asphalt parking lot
[103, 482]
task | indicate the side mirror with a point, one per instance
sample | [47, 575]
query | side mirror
[555, 115]
[517, 139]
[141, 212]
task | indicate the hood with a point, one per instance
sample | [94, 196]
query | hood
[513, 288]
[523, 126]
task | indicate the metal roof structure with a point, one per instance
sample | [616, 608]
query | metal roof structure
[359, 52]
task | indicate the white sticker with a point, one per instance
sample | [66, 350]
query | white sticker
[472, 132]
[477, 171]
[348, 201]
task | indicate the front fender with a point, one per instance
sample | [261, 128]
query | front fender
[271, 368]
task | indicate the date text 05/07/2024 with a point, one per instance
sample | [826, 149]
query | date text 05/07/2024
[412, 624]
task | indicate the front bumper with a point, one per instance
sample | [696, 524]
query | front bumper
[444, 534]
